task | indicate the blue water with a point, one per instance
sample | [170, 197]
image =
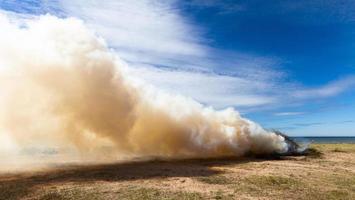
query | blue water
[323, 140]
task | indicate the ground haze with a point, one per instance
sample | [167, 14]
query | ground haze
[327, 176]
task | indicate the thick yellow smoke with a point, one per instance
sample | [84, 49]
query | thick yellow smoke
[61, 88]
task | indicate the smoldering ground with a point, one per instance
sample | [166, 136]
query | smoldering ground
[62, 88]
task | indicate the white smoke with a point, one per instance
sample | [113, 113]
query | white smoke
[62, 88]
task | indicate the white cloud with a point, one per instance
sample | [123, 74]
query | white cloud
[224, 7]
[288, 113]
[217, 90]
[150, 34]
[332, 89]
[166, 49]
[155, 34]
[145, 28]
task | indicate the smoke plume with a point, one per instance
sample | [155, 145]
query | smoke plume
[62, 88]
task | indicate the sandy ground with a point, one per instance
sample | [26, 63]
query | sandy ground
[327, 176]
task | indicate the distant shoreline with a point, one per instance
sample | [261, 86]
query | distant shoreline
[325, 139]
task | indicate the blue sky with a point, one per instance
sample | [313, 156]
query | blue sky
[288, 65]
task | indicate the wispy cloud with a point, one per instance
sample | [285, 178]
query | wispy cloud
[348, 121]
[309, 124]
[329, 11]
[151, 31]
[224, 7]
[288, 113]
[331, 89]
[210, 88]
[32, 7]
[171, 52]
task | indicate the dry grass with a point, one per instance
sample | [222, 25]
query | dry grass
[122, 193]
[327, 173]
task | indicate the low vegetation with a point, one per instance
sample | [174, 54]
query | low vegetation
[327, 172]
[219, 180]
[129, 193]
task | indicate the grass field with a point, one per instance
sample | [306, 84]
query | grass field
[330, 175]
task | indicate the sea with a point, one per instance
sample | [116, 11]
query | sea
[323, 140]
